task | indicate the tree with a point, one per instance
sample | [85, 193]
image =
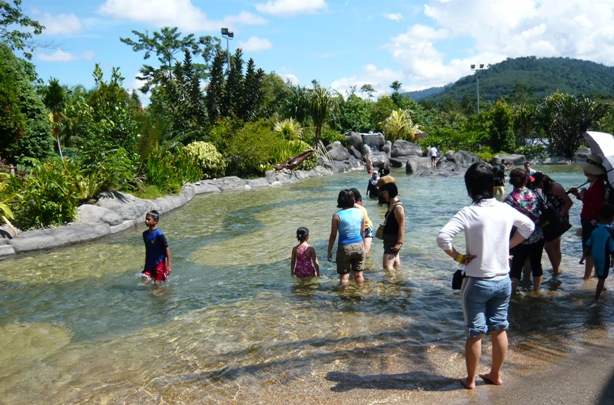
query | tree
[234, 85]
[321, 106]
[12, 17]
[368, 90]
[252, 92]
[355, 114]
[24, 125]
[215, 89]
[54, 98]
[501, 133]
[166, 45]
[382, 110]
[563, 118]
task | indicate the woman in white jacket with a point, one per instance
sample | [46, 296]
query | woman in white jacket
[487, 225]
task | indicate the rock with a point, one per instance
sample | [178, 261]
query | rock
[416, 165]
[403, 149]
[355, 152]
[354, 139]
[89, 213]
[516, 160]
[337, 151]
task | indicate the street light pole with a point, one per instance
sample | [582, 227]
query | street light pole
[228, 35]
[477, 80]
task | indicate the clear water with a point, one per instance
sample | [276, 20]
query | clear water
[232, 325]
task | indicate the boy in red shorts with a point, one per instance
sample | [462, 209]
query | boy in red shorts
[157, 253]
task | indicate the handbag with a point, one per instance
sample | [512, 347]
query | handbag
[552, 223]
[379, 234]
[457, 279]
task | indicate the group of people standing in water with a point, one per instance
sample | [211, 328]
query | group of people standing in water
[499, 233]
[502, 236]
[353, 231]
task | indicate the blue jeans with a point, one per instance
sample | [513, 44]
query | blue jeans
[485, 303]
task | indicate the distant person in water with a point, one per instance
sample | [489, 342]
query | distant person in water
[372, 190]
[304, 264]
[158, 265]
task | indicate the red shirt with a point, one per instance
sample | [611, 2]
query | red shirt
[593, 201]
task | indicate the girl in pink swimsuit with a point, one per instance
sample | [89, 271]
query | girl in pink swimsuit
[304, 263]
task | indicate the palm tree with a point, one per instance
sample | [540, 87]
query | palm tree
[55, 99]
[321, 105]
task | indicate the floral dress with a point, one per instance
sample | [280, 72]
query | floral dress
[304, 266]
[527, 202]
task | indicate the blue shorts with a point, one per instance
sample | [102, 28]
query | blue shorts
[369, 232]
[485, 303]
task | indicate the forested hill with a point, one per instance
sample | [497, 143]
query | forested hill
[537, 77]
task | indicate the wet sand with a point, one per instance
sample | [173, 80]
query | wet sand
[584, 376]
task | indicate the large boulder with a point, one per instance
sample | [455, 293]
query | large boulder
[354, 139]
[510, 158]
[337, 151]
[403, 149]
[375, 141]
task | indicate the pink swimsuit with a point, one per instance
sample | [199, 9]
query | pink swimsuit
[303, 267]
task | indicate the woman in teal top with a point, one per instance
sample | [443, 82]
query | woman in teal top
[349, 223]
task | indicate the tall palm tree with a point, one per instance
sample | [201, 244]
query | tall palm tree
[321, 106]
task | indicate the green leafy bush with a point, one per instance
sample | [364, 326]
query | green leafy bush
[206, 155]
[47, 196]
[168, 172]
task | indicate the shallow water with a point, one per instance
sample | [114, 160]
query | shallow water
[232, 326]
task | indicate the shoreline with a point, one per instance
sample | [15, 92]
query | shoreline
[117, 211]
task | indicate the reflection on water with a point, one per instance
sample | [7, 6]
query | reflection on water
[231, 325]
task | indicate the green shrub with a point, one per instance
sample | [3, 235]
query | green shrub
[328, 135]
[208, 158]
[159, 170]
[533, 151]
[47, 196]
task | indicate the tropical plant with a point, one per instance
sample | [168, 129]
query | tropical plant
[207, 157]
[47, 196]
[5, 199]
[288, 128]
[321, 105]
[285, 150]
[399, 126]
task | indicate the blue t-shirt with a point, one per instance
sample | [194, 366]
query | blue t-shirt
[601, 244]
[155, 248]
[350, 226]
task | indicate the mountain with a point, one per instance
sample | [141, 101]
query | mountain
[539, 77]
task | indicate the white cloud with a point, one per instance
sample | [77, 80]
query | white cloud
[394, 17]
[173, 13]
[61, 24]
[290, 78]
[244, 18]
[63, 56]
[491, 31]
[291, 7]
[379, 79]
[255, 44]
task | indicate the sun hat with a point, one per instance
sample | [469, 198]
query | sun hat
[593, 165]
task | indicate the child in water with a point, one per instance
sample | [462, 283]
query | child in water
[157, 253]
[304, 263]
[600, 246]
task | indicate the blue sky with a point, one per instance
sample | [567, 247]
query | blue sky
[341, 44]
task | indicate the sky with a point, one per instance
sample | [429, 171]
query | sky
[343, 44]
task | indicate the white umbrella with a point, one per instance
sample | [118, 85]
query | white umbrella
[602, 145]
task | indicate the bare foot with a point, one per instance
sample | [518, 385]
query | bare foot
[489, 380]
[465, 383]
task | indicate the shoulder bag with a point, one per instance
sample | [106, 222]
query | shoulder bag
[379, 234]
[552, 223]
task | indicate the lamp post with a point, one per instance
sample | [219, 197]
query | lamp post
[228, 35]
[477, 79]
